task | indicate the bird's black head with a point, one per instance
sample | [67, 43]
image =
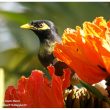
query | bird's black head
[44, 29]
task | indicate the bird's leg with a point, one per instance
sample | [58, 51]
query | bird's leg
[60, 66]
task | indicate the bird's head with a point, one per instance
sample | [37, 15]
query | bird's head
[44, 29]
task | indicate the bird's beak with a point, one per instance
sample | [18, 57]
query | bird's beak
[26, 26]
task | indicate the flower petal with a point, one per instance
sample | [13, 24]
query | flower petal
[87, 50]
[38, 91]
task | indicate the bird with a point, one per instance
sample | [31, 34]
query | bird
[48, 36]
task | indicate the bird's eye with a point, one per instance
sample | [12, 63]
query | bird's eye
[40, 25]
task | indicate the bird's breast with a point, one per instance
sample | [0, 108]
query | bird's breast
[45, 54]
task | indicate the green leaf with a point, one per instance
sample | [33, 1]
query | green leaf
[95, 91]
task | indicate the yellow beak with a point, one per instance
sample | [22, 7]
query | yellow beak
[26, 26]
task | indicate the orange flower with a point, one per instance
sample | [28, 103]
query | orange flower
[87, 50]
[38, 91]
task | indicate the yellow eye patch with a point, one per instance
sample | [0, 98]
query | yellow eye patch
[43, 27]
